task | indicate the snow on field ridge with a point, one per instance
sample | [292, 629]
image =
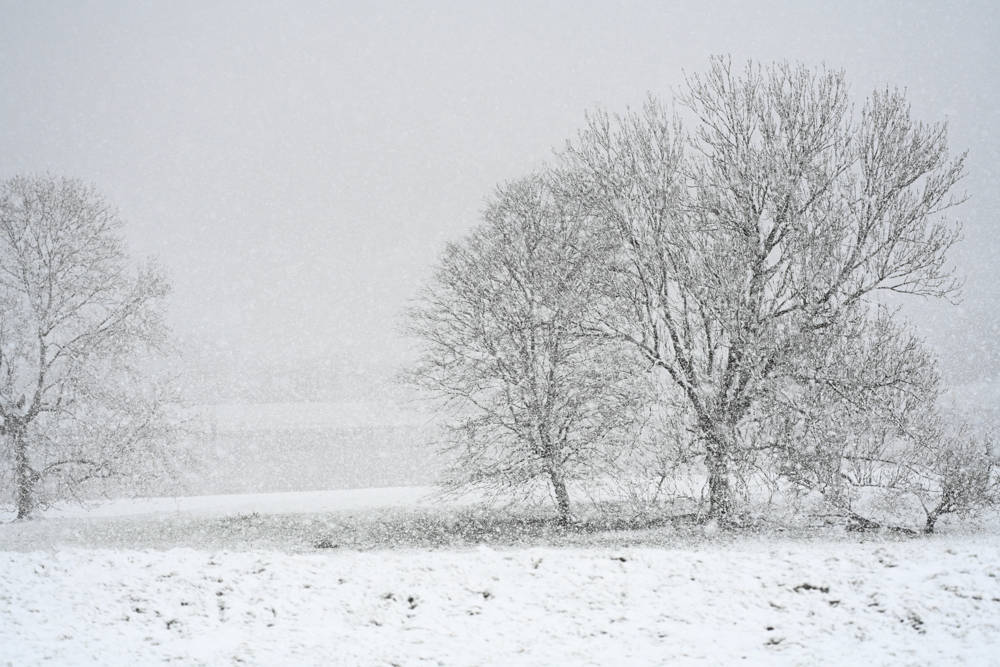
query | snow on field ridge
[931, 601]
[240, 417]
[291, 502]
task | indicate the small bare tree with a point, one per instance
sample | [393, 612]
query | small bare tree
[746, 241]
[525, 393]
[957, 472]
[75, 321]
[856, 422]
[901, 467]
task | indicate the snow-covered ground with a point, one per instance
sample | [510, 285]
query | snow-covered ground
[717, 599]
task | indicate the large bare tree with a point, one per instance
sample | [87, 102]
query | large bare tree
[526, 395]
[747, 240]
[76, 319]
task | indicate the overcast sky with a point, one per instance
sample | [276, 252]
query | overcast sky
[297, 167]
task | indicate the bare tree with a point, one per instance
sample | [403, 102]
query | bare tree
[957, 472]
[526, 395]
[745, 242]
[860, 424]
[75, 321]
[892, 466]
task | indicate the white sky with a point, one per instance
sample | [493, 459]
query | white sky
[298, 167]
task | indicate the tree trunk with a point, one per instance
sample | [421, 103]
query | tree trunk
[24, 476]
[929, 525]
[720, 493]
[562, 495]
[721, 502]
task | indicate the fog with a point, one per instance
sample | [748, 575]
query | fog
[297, 168]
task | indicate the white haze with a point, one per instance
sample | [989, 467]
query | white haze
[297, 167]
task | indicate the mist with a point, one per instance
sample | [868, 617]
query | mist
[298, 169]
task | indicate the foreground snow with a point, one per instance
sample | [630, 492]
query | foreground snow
[926, 601]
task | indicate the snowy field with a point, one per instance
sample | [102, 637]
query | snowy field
[197, 584]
